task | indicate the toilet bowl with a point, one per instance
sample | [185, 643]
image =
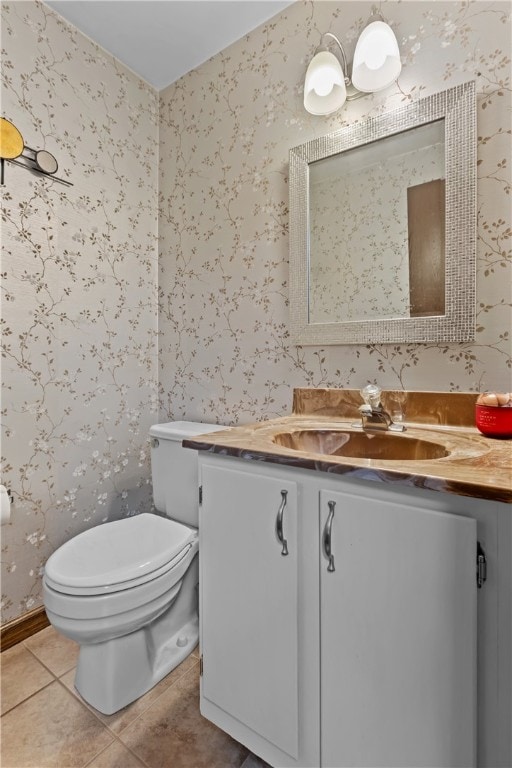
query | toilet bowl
[126, 591]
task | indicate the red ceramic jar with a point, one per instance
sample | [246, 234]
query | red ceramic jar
[494, 420]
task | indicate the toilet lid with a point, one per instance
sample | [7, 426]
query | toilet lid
[116, 555]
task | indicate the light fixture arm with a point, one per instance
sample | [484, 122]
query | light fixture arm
[352, 92]
[375, 15]
[344, 62]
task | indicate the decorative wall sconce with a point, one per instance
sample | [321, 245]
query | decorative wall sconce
[376, 66]
[14, 150]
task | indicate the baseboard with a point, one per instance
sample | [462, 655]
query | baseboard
[24, 626]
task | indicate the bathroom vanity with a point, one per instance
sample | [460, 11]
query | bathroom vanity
[349, 614]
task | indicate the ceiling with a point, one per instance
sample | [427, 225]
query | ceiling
[161, 40]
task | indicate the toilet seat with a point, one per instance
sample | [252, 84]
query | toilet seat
[111, 606]
[119, 555]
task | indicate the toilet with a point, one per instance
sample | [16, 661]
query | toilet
[127, 591]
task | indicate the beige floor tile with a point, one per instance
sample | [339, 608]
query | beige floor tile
[173, 727]
[120, 720]
[22, 675]
[55, 651]
[116, 756]
[253, 761]
[51, 729]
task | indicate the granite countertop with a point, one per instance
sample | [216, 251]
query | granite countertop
[476, 466]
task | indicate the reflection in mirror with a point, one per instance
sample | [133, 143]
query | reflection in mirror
[383, 227]
[385, 203]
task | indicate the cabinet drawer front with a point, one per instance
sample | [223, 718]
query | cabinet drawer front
[398, 634]
[249, 593]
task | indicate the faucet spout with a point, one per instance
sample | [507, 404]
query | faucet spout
[373, 416]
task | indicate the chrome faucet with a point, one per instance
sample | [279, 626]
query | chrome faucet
[373, 416]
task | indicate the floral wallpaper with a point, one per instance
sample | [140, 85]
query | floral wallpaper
[225, 132]
[190, 260]
[79, 294]
[359, 224]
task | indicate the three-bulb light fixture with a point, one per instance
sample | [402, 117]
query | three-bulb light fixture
[376, 66]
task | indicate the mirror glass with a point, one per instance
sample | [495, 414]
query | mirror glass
[382, 227]
[384, 201]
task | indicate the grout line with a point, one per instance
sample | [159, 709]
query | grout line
[117, 734]
[145, 710]
[98, 754]
[91, 711]
[55, 675]
[74, 693]
[141, 761]
[116, 738]
[30, 696]
[108, 747]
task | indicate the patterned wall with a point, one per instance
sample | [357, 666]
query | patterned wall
[225, 132]
[79, 300]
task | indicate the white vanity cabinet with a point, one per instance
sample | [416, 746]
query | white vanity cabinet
[359, 646]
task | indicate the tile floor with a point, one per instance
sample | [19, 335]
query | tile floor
[44, 721]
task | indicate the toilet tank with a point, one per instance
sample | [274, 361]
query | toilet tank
[174, 469]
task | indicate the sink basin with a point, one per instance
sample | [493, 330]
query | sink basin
[360, 445]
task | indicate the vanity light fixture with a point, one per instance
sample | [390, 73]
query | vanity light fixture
[376, 66]
[376, 62]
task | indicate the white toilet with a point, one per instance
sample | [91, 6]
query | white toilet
[126, 591]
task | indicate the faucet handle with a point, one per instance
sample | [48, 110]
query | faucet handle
[371, 395]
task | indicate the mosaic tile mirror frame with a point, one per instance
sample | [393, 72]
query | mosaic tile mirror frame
[452, 319]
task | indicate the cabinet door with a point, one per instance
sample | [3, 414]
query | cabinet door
[398, 635]
[249, 603]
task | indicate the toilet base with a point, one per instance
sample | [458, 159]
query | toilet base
[112, 674]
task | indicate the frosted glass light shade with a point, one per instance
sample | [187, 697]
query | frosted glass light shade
[324, 87]
[376, 59]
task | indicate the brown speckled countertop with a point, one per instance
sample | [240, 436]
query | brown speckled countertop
[475, 466]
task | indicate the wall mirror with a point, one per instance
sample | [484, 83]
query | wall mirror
[383, 227]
